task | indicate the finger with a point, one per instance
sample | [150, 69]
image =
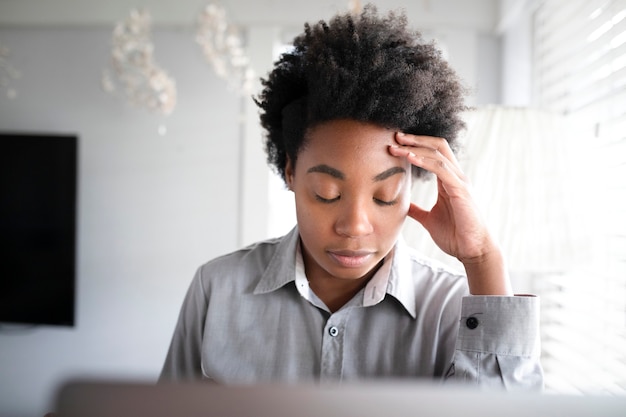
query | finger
[436, 149]
[436, 163]
[436, 144]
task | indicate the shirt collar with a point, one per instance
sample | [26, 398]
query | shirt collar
[401, 284]
[394, 276]
[282, 266]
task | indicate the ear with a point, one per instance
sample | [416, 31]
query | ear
[289, 173]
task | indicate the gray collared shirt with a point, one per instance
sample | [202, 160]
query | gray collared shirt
[244, 320]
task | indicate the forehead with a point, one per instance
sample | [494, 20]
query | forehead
[349, 145]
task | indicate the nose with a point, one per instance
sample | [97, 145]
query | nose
[353, 221]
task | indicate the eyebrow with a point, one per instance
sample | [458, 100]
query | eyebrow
[325, 169]
[335, 173]
[388, 173]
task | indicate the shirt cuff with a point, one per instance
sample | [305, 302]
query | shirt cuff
[500, 325]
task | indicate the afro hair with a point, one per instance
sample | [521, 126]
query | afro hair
[364, 67]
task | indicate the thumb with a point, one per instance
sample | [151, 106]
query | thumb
[417, 213]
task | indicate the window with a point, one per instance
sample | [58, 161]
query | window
[580, 71]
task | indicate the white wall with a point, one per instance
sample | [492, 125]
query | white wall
[515, 30]
[153, 208]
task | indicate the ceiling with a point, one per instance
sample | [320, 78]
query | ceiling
[425, 14]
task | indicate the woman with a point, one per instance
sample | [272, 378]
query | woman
[355, 115]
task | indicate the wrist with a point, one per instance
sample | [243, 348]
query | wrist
[487, 274]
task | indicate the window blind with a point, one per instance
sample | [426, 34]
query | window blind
[579, 70]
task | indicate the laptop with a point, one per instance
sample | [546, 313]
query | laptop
[377, 399]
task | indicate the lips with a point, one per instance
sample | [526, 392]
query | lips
[351, 259]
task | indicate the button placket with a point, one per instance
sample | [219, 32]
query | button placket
[332, 347]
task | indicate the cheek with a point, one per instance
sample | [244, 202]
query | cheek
[405, 198]
[310, 214]
[391, 218]
[395, 218]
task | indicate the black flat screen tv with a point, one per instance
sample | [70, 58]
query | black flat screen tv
[38, 182]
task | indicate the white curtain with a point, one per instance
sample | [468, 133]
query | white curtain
[522, 164]
[538, 181]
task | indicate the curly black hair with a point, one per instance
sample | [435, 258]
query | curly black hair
[361, 67]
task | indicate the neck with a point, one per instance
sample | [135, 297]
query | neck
[335, 295]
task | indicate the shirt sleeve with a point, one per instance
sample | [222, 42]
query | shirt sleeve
[184, 357]
[498, 344]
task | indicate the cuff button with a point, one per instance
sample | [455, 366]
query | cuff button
[471, 323]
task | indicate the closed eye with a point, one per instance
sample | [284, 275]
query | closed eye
[385, 203]
[326, 200]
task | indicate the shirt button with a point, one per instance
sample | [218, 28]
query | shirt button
[333, 331]
[471, 323]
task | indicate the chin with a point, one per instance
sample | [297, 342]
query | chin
[350, 273]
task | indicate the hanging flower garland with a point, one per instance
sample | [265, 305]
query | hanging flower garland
[222, 47]
[134, 69]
